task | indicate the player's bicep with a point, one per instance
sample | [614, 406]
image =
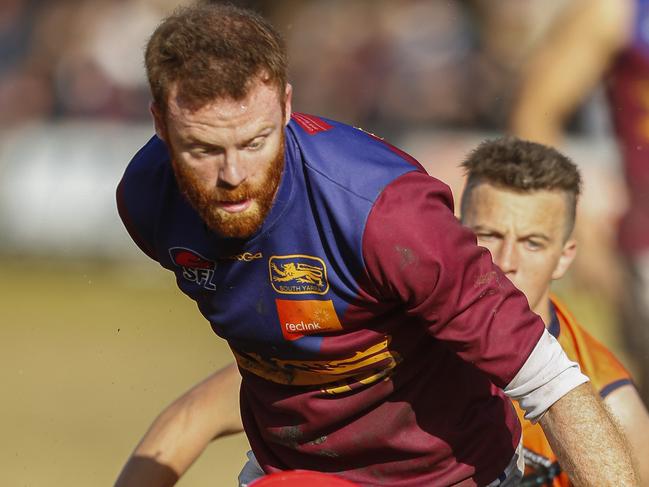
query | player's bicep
[219, 394]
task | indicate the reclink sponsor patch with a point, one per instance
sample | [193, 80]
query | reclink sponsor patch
[306, 317]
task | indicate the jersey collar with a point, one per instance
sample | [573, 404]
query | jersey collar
[554, 327]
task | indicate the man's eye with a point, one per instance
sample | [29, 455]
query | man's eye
[203, 151]
[486, 237]
[533, 245]
[255, 144]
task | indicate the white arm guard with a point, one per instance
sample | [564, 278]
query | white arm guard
[547, 375]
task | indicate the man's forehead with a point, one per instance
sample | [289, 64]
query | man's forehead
[258, 94]
[488, 202]
[245, 117]
[495, 192]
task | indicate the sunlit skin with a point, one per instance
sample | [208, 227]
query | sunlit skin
[526, 235]
[228, 154]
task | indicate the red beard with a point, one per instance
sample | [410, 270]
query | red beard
[234, 225]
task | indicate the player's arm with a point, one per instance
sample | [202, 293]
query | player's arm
[586, 441]
[442, 276]
[568, 63]
[552, 390]
[184, 429]
[632, 418]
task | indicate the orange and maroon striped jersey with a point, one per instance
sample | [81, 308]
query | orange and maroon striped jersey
[596, 361]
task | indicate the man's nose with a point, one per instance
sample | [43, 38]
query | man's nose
[507, 257]
[232, 172]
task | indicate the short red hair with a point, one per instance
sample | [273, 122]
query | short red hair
[213, 51]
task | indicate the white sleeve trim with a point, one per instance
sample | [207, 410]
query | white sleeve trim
[546, 376]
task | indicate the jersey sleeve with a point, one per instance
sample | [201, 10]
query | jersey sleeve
[418, 254]
[139, 194]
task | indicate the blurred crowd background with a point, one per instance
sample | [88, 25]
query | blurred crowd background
[430, 75]
[377, 63]
[94, 339]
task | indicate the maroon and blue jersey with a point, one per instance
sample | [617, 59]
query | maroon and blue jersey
[372, 334]
[629, 95]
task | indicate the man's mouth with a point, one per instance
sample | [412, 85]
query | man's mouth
[234, 206]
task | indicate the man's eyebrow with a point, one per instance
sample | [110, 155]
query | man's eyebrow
[193, 140]
[262, 132]
[541, 236]
[483, 228]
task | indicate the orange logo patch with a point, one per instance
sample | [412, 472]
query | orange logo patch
[307, 317]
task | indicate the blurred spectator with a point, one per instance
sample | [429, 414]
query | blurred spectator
[75, 58]
[594, 41]
[100, 72]
[393, 65]
[25, 86]
[505, 31]
[376, 63]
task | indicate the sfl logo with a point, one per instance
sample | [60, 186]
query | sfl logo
[196, 268]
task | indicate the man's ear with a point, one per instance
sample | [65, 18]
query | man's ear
[288, 94]
[158, 121]
[568, 254]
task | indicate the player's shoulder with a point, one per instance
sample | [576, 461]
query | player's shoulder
[570, 329]
[147, 176]
[570, 333]
[151, 162]
[141, 191]
[596, 359]
[349, 157]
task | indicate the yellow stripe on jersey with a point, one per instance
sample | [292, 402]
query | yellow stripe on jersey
[364, 367]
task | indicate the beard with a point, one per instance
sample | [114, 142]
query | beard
[233, 225]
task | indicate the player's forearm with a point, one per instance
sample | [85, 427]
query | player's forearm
[588, 445]
[166, 451]
[183, 430]
[140, 471]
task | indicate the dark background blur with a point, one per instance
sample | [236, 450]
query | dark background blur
[94, 338]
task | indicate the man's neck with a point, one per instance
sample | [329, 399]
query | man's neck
[544, 310]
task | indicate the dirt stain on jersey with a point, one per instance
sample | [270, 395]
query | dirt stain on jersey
[487, 278]
[260, 307]
[407, 256]
[319, 441]
[290, 436]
